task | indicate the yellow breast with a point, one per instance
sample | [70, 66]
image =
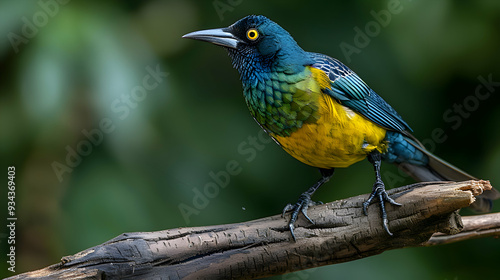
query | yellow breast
[339, 138]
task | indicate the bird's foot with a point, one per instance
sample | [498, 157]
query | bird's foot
[301, 206]
[380, 193]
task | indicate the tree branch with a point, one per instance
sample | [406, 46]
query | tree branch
[264, 247]
[474, 227]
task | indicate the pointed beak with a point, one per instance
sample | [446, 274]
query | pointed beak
[217, 36]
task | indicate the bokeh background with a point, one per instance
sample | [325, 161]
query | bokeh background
[71, 71]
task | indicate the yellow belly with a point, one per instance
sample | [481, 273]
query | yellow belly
[339, 138]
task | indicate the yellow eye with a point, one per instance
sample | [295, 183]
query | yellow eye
[252, 34]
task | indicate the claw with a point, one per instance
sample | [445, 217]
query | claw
[305, 201]
[287, 208]
[304, 212]
[291, 227]
[301, 206]
[381, 194]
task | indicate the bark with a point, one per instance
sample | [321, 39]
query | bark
[264, 247]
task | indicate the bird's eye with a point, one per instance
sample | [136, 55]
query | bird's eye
[252, 34]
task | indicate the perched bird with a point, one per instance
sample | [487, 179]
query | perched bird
[322, 113]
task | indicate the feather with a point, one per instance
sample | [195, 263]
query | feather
[351, 91]
[440, 170]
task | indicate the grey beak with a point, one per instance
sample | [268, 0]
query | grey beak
[215, 36]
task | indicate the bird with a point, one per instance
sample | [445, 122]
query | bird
[323, 114]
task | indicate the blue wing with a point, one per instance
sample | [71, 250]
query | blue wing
[354, 93]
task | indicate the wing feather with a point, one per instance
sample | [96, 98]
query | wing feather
[351, 91]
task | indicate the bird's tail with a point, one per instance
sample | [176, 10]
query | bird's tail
[412, 157]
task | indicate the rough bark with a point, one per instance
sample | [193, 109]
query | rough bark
[474, 227]
[264, 247]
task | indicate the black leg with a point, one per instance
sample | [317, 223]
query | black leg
[305, 200]
[379, 190]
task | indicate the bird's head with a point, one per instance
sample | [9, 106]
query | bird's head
[257, 46]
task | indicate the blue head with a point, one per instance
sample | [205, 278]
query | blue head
[257, 47]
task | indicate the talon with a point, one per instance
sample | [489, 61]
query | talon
[365, 207]
[390, 200]
[304, 212]
[380, 192]
[386, 227]
[300, 207]
[287, 208]
[291, 227]
[367, 203]
[305, 201]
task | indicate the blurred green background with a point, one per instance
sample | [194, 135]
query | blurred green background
[70, 66]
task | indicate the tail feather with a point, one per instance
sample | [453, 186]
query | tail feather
[437, 169]
[441, 168]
